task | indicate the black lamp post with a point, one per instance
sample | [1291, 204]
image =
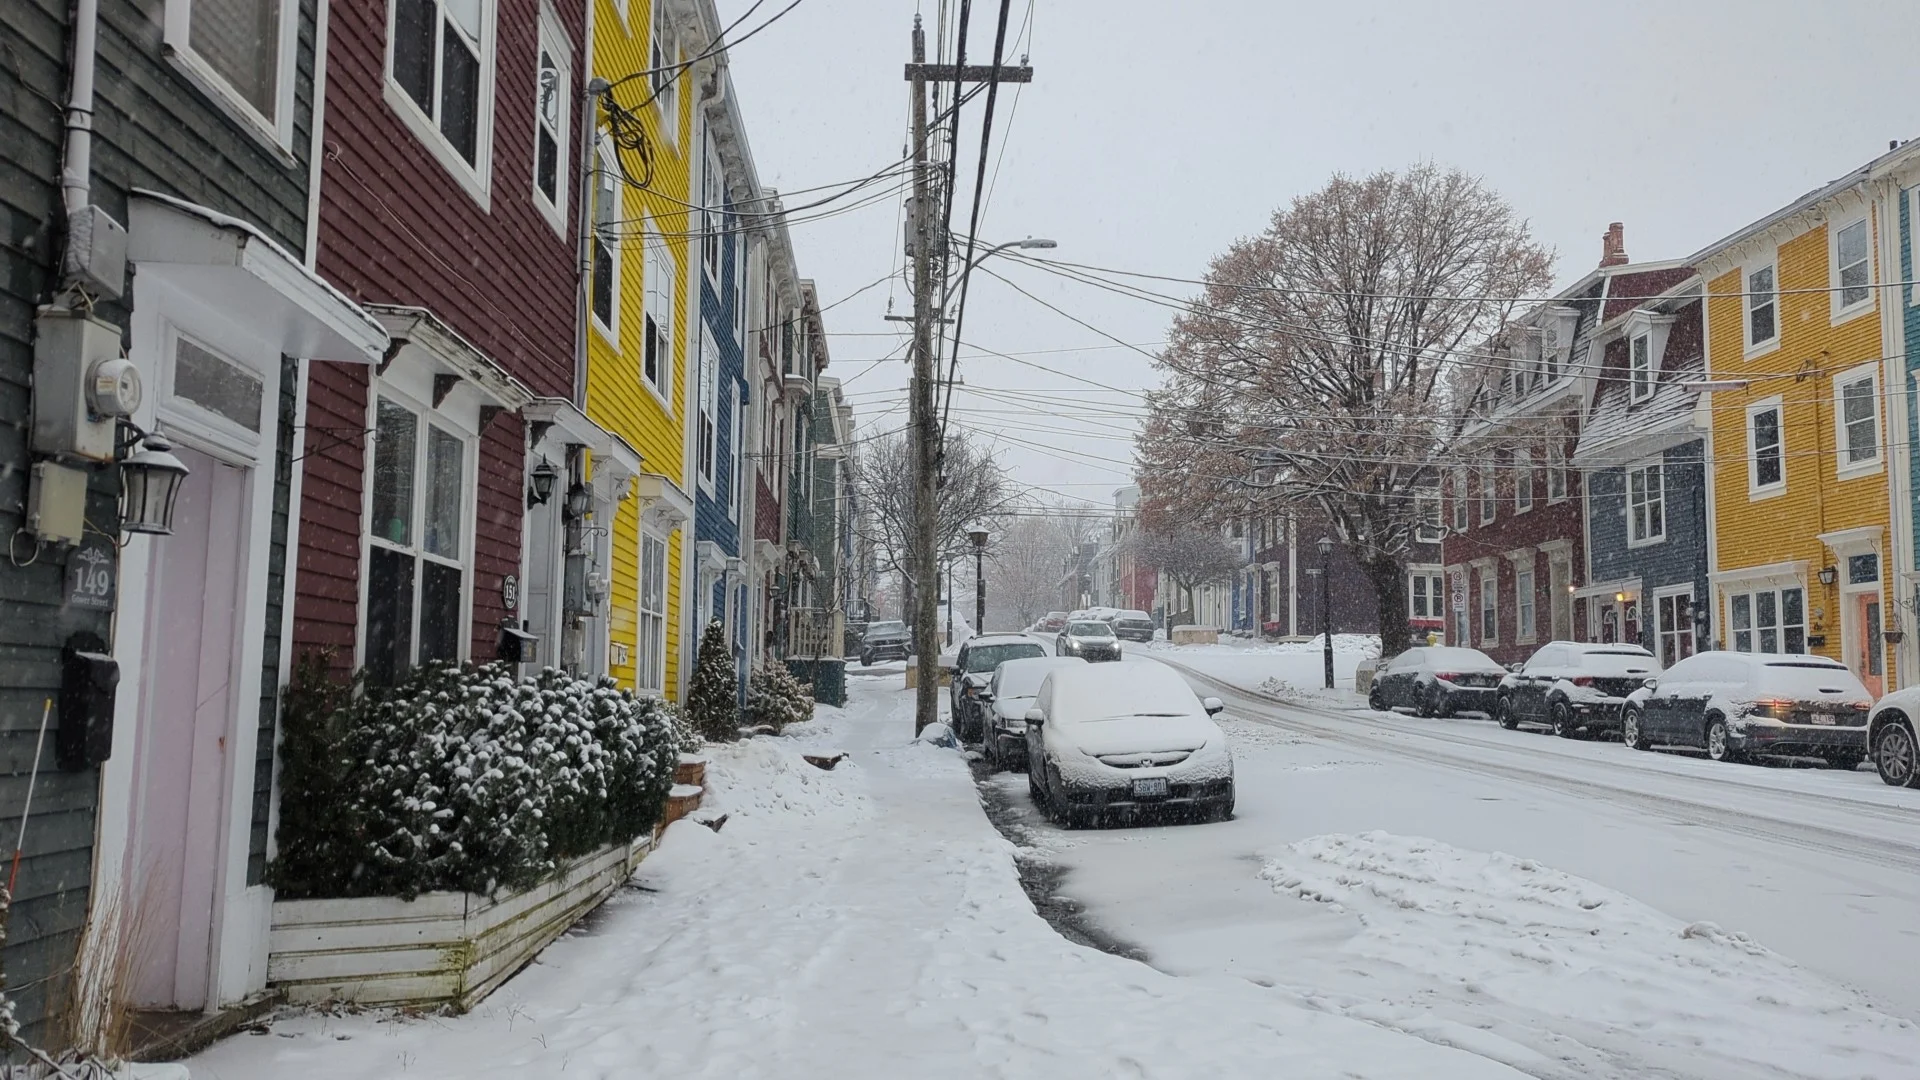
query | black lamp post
[979, 538]
[1326, 605]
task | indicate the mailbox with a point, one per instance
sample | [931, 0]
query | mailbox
[88, 680]
[517, 646]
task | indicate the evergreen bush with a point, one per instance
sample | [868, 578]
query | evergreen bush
[775, 698]
[469, 779]
[713, 700]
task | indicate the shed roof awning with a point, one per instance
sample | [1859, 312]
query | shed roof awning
[450, 353]
[252, 280]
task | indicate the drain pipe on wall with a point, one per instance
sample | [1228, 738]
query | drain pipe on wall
[597, 88]
[76, 170]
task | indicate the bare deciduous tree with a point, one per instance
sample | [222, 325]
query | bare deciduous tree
[973, 491]
[1026, 562]
[1323, 365]
[1190, 556]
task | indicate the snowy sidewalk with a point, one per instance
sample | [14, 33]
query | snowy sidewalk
[865, 922]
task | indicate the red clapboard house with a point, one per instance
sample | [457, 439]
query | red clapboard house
[1514, 553]
[447, 207]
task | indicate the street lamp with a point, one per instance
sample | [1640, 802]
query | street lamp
[1029, 244]
[979, 538]
[1326, 605]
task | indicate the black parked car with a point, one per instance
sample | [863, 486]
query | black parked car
[1571, 687]
[1437, 680]
[1132, 626]
[1734, 704]
[973, 668]
[1089, 639]
[885, 640]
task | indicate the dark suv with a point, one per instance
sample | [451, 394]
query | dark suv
[1571, 687]
[1132, 626]
[885, 640]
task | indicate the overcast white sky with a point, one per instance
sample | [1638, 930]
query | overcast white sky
[1154, 134]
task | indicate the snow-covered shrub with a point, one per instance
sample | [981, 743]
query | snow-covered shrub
[685, 735]
[713, 702]
[775, 698]
[469, 779]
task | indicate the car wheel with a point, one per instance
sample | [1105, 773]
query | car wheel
[1034, 791]
[866, 659]
[1719, 748]
[1503, 712]
[1375, 701]
[990, 747]
[1896, 755]
[1426, 701]
[1560, 718]
[1631, 731]
[1844, 762]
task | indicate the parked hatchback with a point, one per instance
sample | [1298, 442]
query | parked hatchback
[1132, 626]
[973, 668]
[1734, 704]
[1107, 741]
[1571, 687]
[1437, 680]
[1005, 701]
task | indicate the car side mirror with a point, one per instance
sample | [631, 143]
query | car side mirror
[985, 696]
[1213, 705]
[1652, 684]
[1035, 716]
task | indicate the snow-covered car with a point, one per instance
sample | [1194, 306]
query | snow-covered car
[1126, 739]
[1005, 701]
[1437, 680]
[885, 639]
[1891, 731]
[1572, 687]
[1052, 623]
[1132, 626]
[973, 667]
[1089, 639]
[1734, 704]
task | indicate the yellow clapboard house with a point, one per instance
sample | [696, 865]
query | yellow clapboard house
[1798, 480]
[638, 316]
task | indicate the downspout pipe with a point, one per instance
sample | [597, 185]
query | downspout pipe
[597, 88]
[76, 167]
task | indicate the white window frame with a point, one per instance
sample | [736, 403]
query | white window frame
[707, 412]
[1755, 348]
[1489, 497]
[1841, 310]
[1462, 504]
[1557, 485]
[660, 284]
[1429, 527]
[1489, 607]
[1913, 244]
[713, 200]
[1754, 627]
[1640, 372]
[276, 131]
[1436, 596]
[553, 40]
[1685, 632]
[605, 180]
[1522, 480]
[1526, 608]
[1652, 497]
[650, 649]
[664, 51]
[1755, 489]
[475, 179]
[426, 419]
[736, 457]
[1844, 466]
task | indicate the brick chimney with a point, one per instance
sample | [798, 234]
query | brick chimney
[1613, 246]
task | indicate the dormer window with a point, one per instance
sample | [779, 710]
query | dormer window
[1640, 365]
[1646, 346]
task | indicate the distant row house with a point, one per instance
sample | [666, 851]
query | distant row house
[1709, 453]
[477, 339]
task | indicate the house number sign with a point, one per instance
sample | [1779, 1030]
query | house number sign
[91, 576]
[510, 592]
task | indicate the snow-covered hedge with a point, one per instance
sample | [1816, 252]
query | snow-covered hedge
[467, 779]
[775, 698]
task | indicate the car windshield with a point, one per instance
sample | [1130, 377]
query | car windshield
[988, 657]
[879, 628]
[1090, 629]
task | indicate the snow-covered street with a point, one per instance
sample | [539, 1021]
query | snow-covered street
[1381, 906]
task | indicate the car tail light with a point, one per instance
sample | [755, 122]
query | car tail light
[1447, 676]
[1581, 680]
[1777, 707]
[1863, 706]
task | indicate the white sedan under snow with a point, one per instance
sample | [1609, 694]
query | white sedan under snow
[1121, 739]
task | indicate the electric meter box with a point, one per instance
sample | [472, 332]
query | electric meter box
[69, 350]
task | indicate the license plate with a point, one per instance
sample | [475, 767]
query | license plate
[1150, 787]
[1822, 718]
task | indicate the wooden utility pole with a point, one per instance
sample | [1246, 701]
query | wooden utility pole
[929, 244]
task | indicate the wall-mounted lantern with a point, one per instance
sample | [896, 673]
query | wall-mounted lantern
[1829, 575]
[579, 502]
[541, 489]
[150, 479]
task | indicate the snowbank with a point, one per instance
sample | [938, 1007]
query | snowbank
[1557, 966]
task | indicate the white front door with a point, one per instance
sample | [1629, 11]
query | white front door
[184, 765]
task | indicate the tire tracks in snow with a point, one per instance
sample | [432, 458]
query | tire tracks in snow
[1769, 826]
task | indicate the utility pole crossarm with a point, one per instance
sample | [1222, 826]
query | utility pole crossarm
[969, 73]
